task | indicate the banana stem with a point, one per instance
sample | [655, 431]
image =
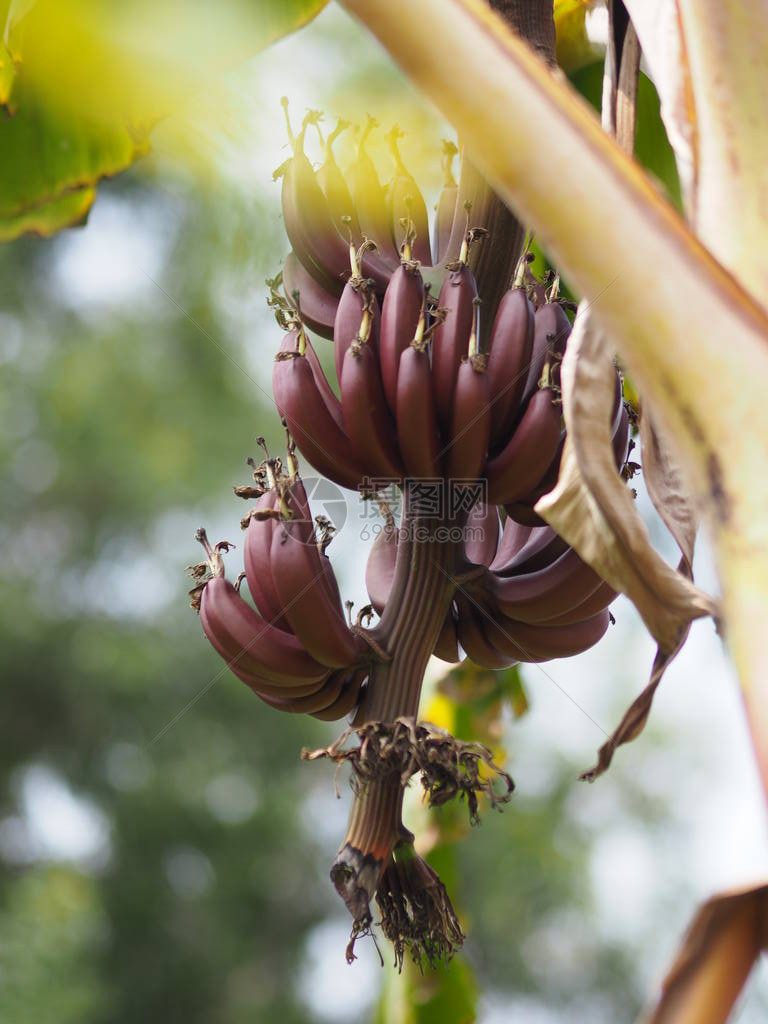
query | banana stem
[473, 348]
[375, 828]
[420, 599]
[353, 264]
[419, 341]
[365, 326]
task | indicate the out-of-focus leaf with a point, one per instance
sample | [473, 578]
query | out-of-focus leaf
[652, 145]
[467, 683]
[592, 508]
[12, 13]
[137, 60]
[468, 702]
[652, 148]
[50, 925]
[48, 218]
[85, 81]
[717, 954]
[512, 687]
[51, 158]
[448, 993]
[7, 75]
[574, 49]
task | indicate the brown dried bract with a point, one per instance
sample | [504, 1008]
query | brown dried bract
[196, 596]
[416, 913]
[247, 491]
[448, 767]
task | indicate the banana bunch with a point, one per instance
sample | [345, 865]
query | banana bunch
[295, 650]
[415, 399]
[418, 400]
[427, 401]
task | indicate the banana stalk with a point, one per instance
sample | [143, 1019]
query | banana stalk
[421, 595]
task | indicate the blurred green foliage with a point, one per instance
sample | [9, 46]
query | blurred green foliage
[144, 418]
[652, 148]
[81, 85]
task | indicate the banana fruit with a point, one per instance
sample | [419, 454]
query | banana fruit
[295, 649]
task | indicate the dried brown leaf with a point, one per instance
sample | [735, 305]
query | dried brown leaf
[592, 508]
[620, 77]
[610, 76]
[716, 956]
[626, 96]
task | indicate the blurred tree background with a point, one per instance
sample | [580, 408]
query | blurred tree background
[163, 852]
